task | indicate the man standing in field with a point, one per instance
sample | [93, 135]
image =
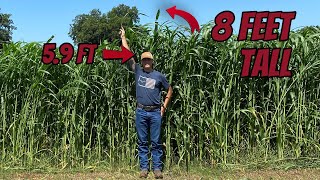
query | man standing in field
[149, 112]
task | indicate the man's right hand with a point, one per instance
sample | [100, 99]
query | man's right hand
[125, 44]
[122, 33]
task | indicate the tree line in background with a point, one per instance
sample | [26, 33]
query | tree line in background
[96, 27]
[86, 28]
[6, 28]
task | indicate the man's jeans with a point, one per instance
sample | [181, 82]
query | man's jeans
[144, 121]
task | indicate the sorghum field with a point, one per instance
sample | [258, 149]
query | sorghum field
[82, 116]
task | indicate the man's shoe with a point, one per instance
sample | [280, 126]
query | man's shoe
[158, 174]
[143, 174]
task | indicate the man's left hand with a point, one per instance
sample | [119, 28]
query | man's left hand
[162, 110]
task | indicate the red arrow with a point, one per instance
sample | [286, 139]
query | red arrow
[125, 54]
[187, 16]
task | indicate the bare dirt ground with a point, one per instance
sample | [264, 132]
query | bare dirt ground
[310, 174]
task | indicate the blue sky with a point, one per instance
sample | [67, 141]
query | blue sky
[37, 20]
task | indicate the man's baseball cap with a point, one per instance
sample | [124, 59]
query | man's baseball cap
[146, 55]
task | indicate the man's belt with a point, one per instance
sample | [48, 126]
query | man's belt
[148, 108]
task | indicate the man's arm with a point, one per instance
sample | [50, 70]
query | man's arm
[125, 44]
[166, 100]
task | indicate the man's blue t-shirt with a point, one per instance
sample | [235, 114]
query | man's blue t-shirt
[148, 86]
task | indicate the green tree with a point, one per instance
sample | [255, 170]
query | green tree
[121, 15]
[6, 27]
[96, 26]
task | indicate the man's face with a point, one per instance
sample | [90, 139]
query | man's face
[147, 63]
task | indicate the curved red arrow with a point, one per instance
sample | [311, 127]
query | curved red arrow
[187, 16]
[125, 54]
